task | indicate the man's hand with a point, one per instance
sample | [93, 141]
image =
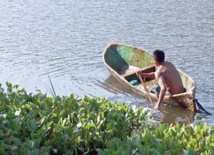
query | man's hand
[156, 107]
[138, 73]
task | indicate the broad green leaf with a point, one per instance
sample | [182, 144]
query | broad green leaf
[136, 139]
[1, 133]
[33, 125]
[90, 125]
[211, 144]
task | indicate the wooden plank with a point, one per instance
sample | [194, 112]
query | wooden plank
[132, 76]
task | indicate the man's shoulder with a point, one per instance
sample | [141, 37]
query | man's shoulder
[168, 63]
[159, 72]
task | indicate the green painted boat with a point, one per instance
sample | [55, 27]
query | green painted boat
[123, 61]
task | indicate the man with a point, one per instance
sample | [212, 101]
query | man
[167, 75]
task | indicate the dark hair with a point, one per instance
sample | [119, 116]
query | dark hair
[159, 55]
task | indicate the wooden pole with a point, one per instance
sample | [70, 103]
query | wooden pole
[145, 88]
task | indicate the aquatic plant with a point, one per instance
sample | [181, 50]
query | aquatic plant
[39, 124]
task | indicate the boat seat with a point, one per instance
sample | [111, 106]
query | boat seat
[129, 76]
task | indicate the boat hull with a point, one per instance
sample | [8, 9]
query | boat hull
[123, 61]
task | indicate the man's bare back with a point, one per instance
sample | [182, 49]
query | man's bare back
[167, 75]
[171, 77]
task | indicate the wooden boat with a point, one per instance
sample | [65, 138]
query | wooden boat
[123, 61]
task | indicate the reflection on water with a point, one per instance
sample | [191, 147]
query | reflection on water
[64, 40]
[176, 114]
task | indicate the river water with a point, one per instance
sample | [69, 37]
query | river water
[64, 41]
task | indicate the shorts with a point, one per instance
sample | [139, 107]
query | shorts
[155, 89]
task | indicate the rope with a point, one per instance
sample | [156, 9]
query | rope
[200, 107]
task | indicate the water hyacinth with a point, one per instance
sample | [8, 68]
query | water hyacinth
[38, 124]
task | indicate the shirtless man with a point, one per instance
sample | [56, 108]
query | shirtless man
[167, 75]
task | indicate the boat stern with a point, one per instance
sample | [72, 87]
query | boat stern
[186, 101]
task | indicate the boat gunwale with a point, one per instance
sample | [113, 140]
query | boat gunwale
[191, 91]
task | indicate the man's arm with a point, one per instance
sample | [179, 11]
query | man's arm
[147, 75]
[162, 84]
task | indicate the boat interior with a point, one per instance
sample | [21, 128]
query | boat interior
[130, 76]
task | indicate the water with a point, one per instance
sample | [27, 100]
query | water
[64, 40]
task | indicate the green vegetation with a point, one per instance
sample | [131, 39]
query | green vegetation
[38, 124]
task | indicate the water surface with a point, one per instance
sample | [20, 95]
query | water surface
[64, 40]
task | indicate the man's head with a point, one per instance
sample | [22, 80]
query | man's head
[159, 56]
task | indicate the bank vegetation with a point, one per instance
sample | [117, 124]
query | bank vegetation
[37, 124]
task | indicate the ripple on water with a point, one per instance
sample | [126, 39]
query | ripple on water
[64, 40]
